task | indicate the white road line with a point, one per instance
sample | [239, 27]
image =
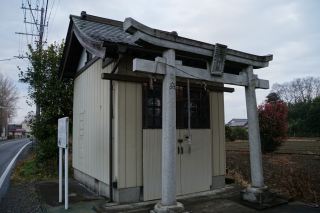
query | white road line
[4, 175]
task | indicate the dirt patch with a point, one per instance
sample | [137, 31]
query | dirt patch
[290, 175]
[280, 160]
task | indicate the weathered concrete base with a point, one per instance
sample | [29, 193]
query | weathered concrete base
[275, 202]
[260, 195]
[218, 182]
[159, 208]
[126, 195]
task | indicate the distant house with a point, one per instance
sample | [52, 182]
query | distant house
[16, 130]
[3, 132]
[238, 122]
[26, 126]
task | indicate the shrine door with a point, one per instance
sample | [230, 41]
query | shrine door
[193, 170]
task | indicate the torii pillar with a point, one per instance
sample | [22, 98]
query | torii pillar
[169, 196]
[257, 192]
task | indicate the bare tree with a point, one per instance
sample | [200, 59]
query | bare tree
[9, 96]
[317, 87]
[298, 90]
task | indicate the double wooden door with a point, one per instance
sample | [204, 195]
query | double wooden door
[193, 169]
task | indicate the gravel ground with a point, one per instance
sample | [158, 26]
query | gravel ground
[21, 198]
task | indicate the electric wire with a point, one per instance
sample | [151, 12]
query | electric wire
[32, 15]
[49, 20]
[54, 16]
[8, 59]
[45, 17]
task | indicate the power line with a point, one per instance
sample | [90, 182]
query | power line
[8, 59]
[39, 30]
[32, 14]
[45, 17]
[54, 16]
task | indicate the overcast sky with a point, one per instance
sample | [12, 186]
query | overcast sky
[290, 30]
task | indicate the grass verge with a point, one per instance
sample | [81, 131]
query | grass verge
[27, 171]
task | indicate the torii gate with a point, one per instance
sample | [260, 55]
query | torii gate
[215, 55]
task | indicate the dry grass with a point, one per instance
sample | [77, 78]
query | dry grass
[238, 177]
[280, 160]
[297, 182]
[289, 175]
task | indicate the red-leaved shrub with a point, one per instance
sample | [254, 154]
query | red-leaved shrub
[273, 125]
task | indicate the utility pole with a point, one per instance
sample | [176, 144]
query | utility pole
[40, 31]
[40, 49]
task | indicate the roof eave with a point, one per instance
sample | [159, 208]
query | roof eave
[66, 49]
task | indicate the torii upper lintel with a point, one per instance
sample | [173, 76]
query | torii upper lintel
[146, 36]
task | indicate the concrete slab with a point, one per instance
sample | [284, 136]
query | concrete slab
[219, 200]
[81, 199]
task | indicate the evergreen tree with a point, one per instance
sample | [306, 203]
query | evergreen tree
[54, 97]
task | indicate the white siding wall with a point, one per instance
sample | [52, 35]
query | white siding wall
[91, 123]
[128, 129]
[218, 135]
[91, 127]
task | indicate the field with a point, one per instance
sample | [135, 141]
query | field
[294, 170]
[291, 146]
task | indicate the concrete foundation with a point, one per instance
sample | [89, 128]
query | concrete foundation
[260, 195]
[159, 208]
[218, 182]
[126, 195]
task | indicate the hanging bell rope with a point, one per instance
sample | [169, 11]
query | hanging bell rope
[189, 115]
[153, 77]
[204, 85]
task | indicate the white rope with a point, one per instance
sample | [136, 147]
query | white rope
[189, 115]
[240, 82]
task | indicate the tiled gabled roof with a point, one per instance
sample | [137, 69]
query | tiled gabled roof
[101, 32]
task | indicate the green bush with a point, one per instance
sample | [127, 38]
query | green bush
[241, 133]
[10, 137]
[236, 133]
[227, 131]
[233, 136]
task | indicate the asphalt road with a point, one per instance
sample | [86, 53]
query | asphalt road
[8, 150]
